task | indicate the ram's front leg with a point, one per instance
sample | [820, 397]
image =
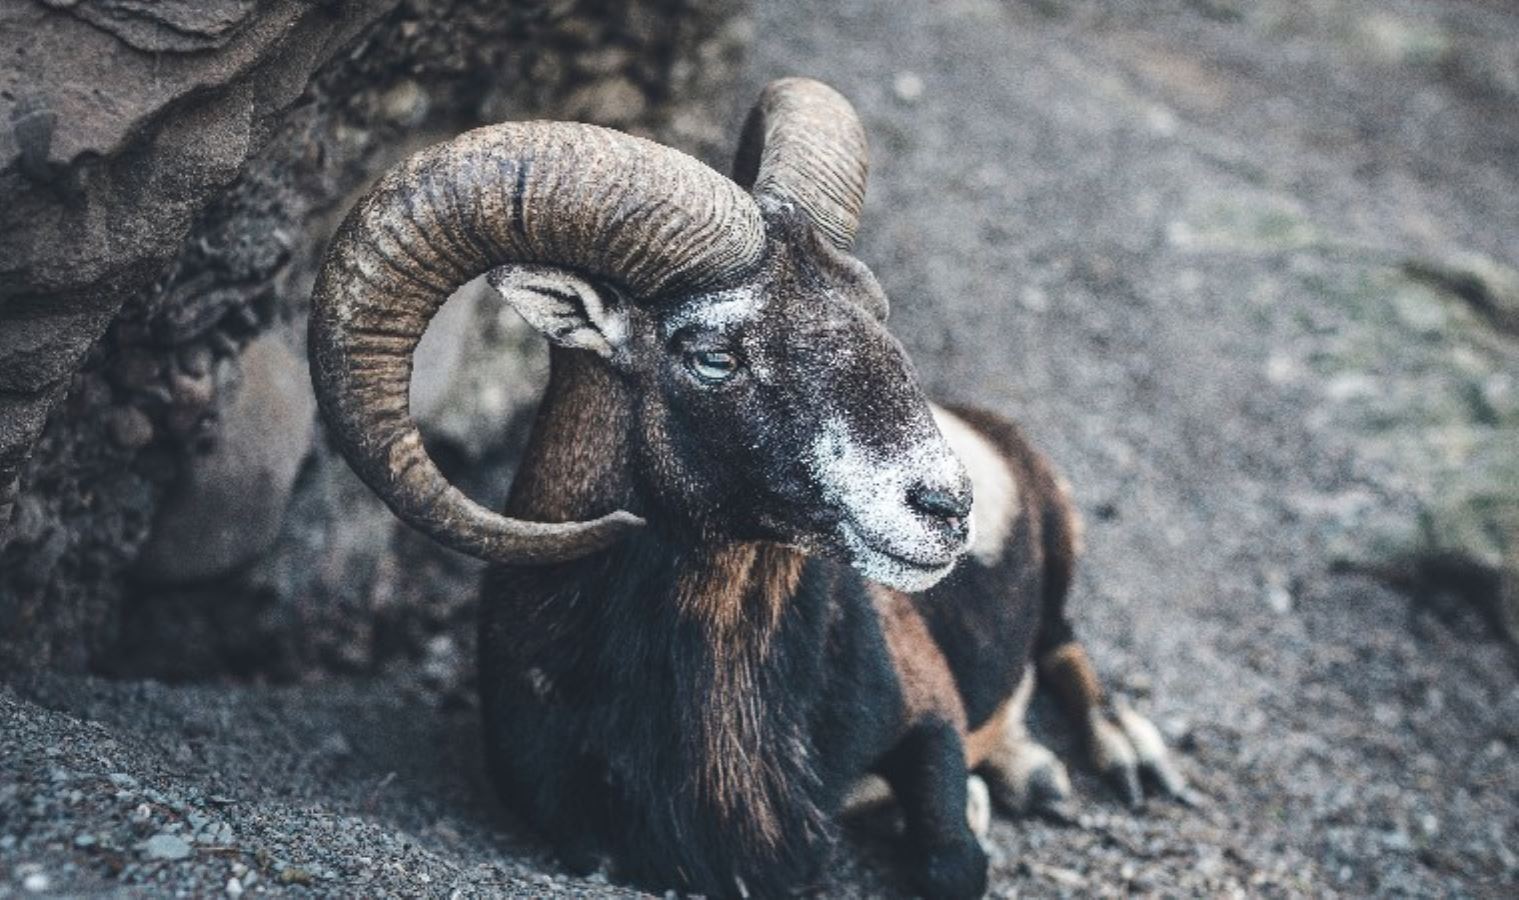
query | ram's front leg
[1125, 746]
[539, 773]
[926, 771]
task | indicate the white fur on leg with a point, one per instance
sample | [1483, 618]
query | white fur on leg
[1145, 737]
[1018, 706]
[1126, 746]
[1114, 756]
[1028, 777]
[868, 792]
[978, 806]
[1111, 748]
[1153, 755]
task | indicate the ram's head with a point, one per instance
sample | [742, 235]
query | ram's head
[768, 399]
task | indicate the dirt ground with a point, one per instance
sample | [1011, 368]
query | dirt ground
[1170, 238]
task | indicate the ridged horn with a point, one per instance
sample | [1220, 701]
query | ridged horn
[644, 217]
[804, 144]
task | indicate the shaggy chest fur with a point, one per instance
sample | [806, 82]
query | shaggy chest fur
[696, 717]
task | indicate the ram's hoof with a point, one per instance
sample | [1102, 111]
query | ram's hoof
[1027, 779]
[1128, 749]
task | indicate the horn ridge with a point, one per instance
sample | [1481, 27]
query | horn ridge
[803, 144]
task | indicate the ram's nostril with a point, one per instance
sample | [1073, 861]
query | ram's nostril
[938, 502]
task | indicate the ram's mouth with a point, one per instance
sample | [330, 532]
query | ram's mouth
[910, 573]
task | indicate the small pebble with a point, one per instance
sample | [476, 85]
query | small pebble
[908, 87]
[166, 846]
[234, 887]
[293, 875]
[1278, 592]
[405, 104]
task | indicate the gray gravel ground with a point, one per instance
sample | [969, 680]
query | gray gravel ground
[1147, 230]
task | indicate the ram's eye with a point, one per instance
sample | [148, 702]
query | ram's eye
[712, 366]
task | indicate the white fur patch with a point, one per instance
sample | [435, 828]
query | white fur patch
[995, 506]
[1017, 709]
[1111, 748]
[887, 540]
[870, 790]
[1027, 774]
[978, 807]
[718, 311]
[539, 681]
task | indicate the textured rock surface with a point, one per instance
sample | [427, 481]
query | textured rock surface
[119, 122]
[148, 394]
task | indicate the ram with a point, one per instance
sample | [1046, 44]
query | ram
[728, 584]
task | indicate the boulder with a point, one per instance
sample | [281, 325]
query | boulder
[229, 501]
[119, 123]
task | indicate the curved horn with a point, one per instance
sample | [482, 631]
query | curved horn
[803, 143]
[644, 217]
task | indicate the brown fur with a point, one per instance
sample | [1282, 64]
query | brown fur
[738, 594]
[576, 463]
[989, 740]
[1065, 507]
[778, 573]
[740, 590]
[1068, 671]
[928, 686]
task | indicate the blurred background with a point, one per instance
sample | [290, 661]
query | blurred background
[1248, 270]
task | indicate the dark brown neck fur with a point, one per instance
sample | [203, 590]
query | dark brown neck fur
[576, 466]
[739, 589]
[737, 593]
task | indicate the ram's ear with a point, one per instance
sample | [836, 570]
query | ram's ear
[567, 308]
